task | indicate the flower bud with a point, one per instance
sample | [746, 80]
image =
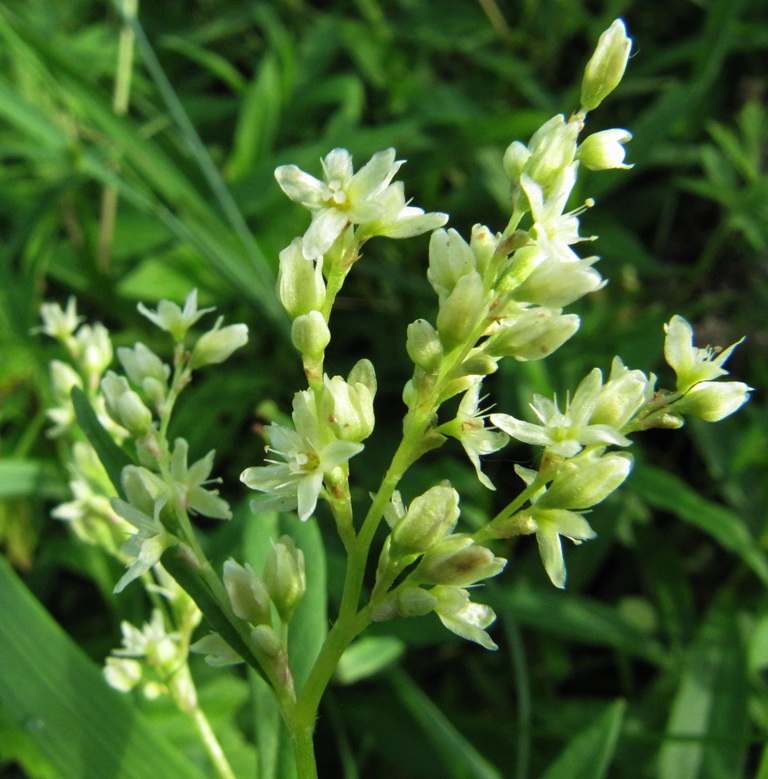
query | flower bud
[218, 344]
[553, 147]
[484, 244]
[284, 576]
[423, 345]
[556, 284]
[363, 372]
[515, 157]
[625, 393]
[348, 409]
[478, 365]
[533, 335]
[605, 69]
[429, 518]
[64, 378]
[300, 283]
[457, 561]
[247, 593]
[93, 349]
[581, 483]
[142, 488]
[267, 642]
[450, 258]
[713, 400]
[141, 363]
[415, 602]
[132, 414]
[461, 311]
[604, 150]
[310, 334]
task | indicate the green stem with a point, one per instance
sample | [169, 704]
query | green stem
[211, 743]
[120, 100]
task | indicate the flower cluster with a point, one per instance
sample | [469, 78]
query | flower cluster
[136, 403]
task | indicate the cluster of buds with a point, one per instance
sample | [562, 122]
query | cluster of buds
[446, 564]
[259, 601]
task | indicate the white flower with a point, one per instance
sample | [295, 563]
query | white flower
[145, 547]
[57, 322]
[692, 365]
[343, 197]
[306, 457]
[462, 617]
[172, 318]
[399, 219]
[564, 433]
[191, 481]
[554, 231]
[470, 429]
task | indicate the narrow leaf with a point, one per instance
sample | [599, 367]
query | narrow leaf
[112, 457]
[58, 698]
[588, 755]
[460, 757]
[666, 491]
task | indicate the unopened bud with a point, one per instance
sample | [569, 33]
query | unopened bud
[267, 642]
[348, 409]
[363, 372]
[515, 157]
[218, 344]
[285, 577]
[93, 349]
[300, 283]
[457, 561]
[713, 400]
[604, 150]
[478, 365]
[132, 414]
[553, 147]
[450, 259]
[141, 363]
[533, 335]
[581, 483]
[484, 244]
[423, 345]
[247, 593]
[555, 284]
[461, 311]
[429, 518]
[606, 68]
[415, 602]
[310, 334]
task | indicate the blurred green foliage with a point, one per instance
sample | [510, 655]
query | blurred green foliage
[652, 663]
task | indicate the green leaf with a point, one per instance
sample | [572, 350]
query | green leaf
[461, 759]
[577, 618]
[58, 698]
[112, 457]
[189, 579]
[666, 491]
[588, 755]
[31, 477]
[367, 657]
[708, 730]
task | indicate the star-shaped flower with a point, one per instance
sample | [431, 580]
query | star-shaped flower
[564, 433]
[692, 365]
[296, 481]
[470, 429]
[341, 198]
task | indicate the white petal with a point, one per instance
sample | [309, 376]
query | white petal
[374, 176]
[326, 227]
[522, 431]
[551, 555]
[300, 186]
[337, 166]
[308, 492]
[337, 453]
